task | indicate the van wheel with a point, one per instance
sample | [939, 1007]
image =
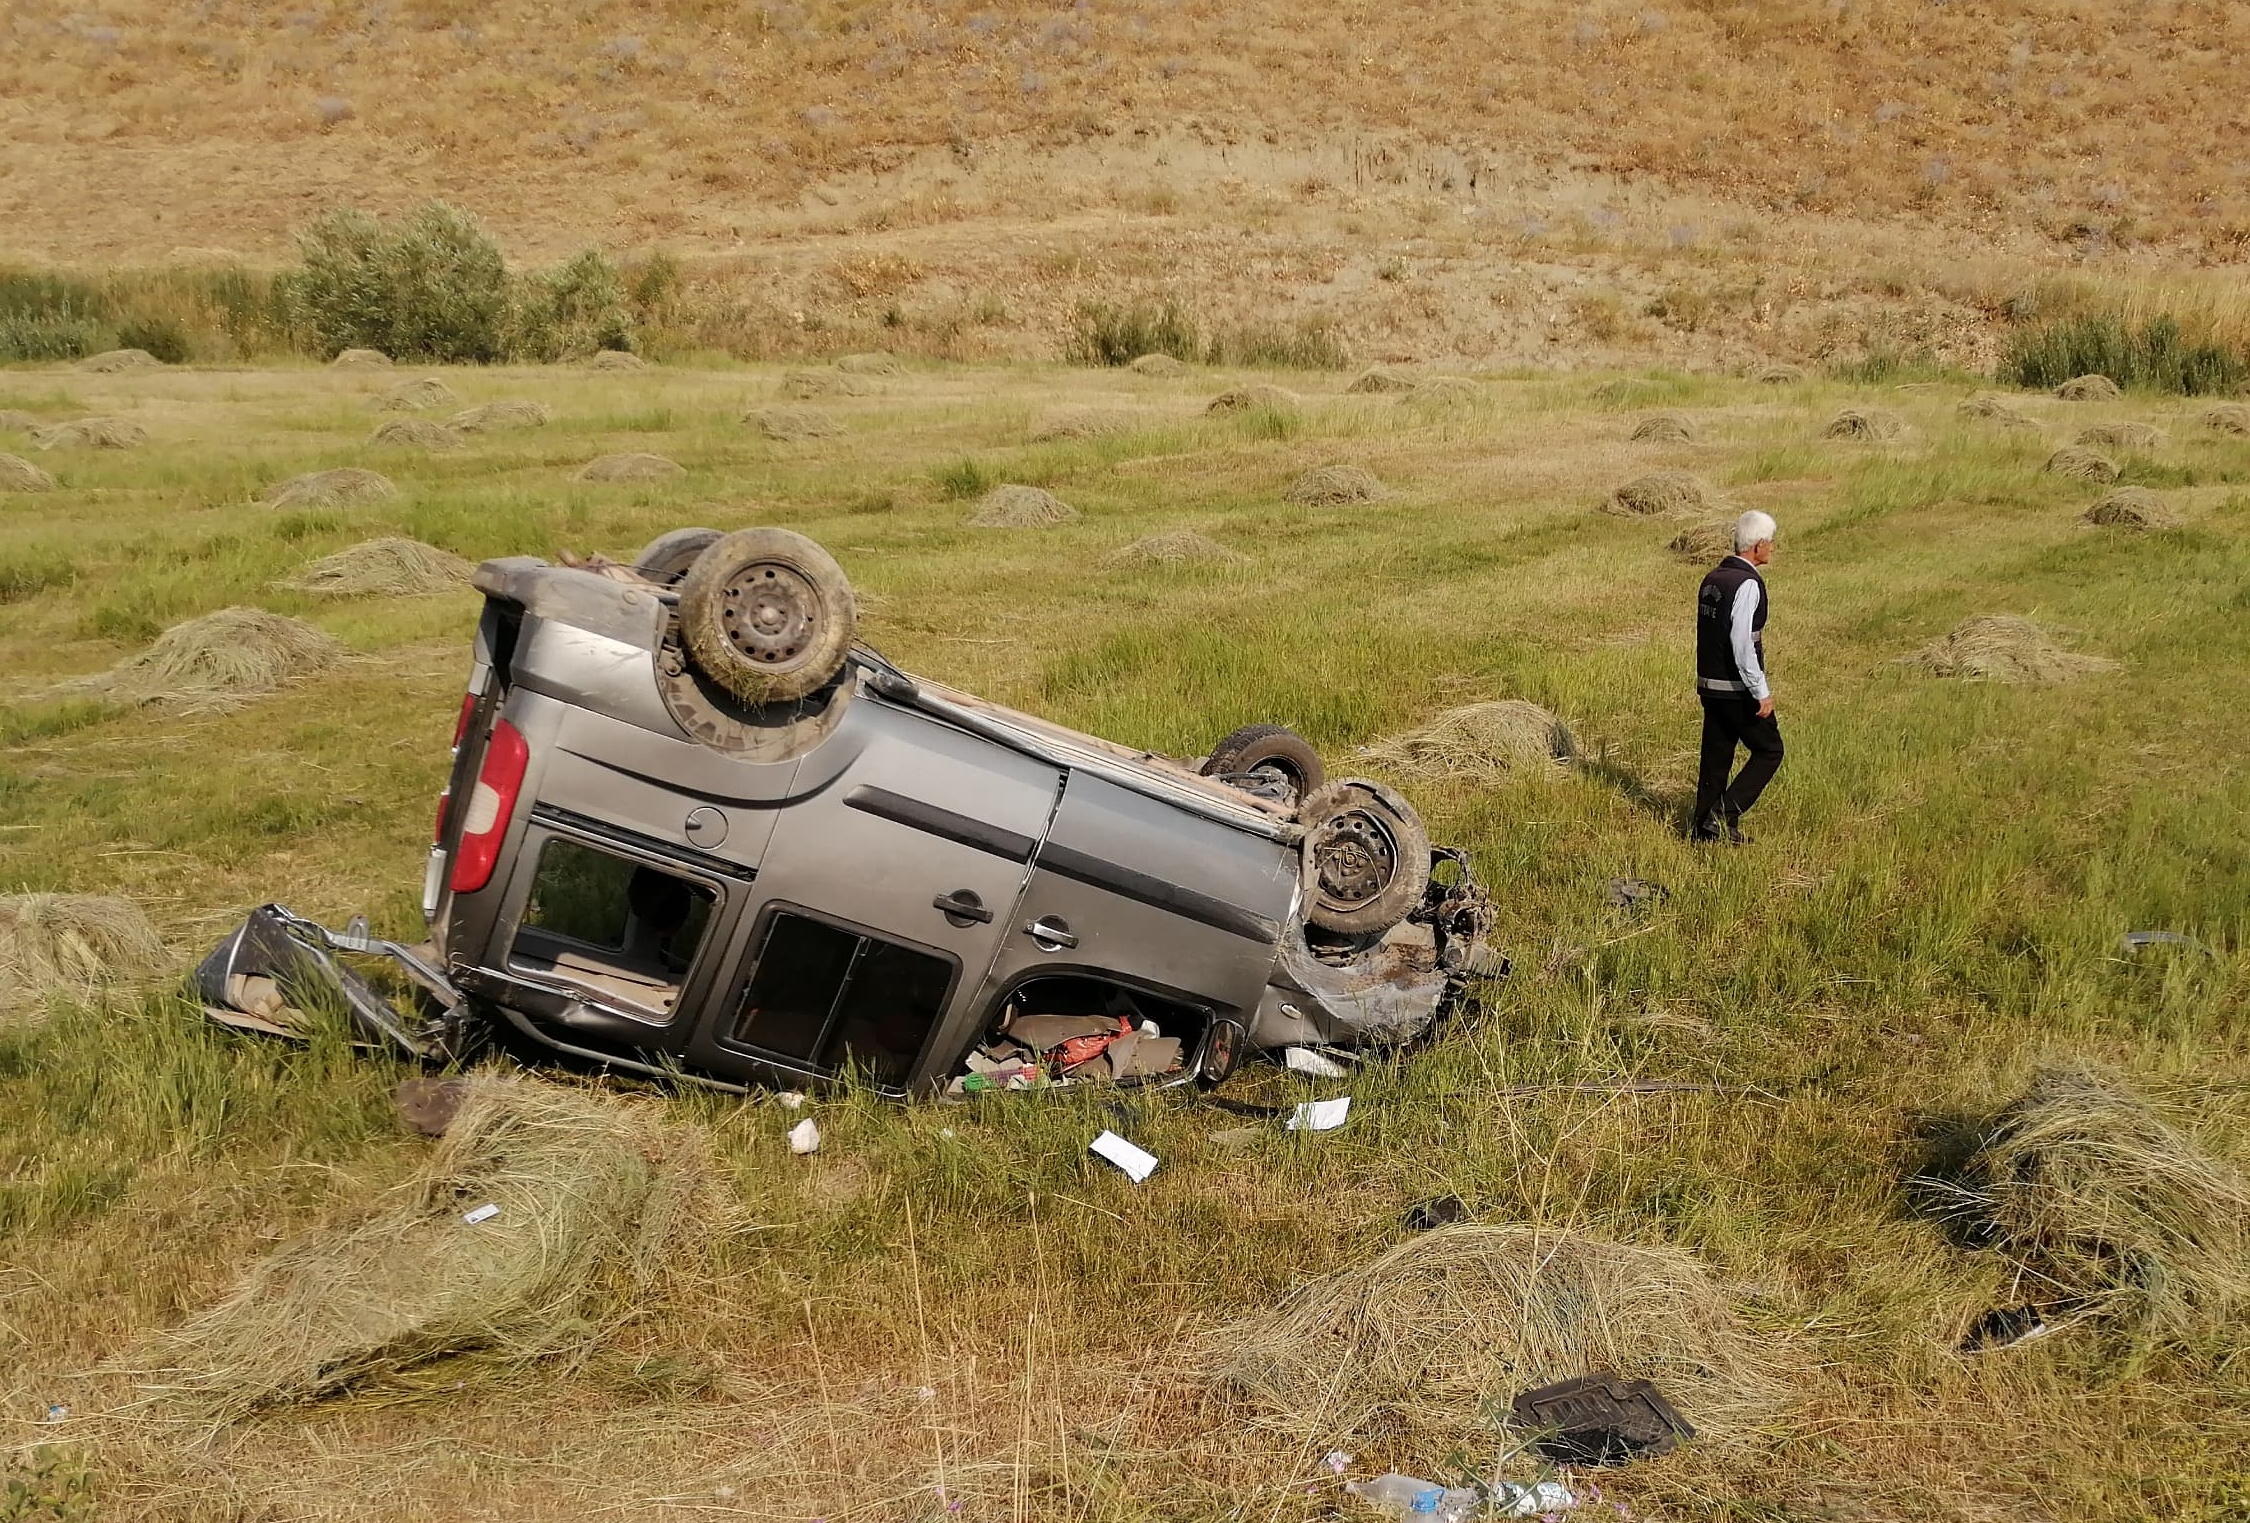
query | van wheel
[767, 614]
[1366, 858]
[666, 558]
[1267, 760]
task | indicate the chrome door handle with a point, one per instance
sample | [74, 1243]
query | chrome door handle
[963, 907]
[1052, 935]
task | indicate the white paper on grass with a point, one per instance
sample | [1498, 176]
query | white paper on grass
[1137, 1162]
[1304, 1060]
[1320, 1115]
[483, 1213]
[804, 1137]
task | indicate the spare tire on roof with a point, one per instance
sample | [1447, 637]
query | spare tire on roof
[767, 615]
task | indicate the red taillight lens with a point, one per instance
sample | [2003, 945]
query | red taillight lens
[490, 805]
[461, 725]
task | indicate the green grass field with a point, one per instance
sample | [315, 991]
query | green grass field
[960, 1297]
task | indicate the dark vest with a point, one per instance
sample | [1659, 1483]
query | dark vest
[1714, 625]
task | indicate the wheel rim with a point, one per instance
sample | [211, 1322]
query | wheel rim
[769, 612]
[1356, 859]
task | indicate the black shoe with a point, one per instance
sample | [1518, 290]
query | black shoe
[1737, 836]
[1705, 835]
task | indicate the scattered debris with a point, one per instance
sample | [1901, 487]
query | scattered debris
[1599, 1419]
[2003, 648]
[1336, 1461]
[804, 1137]
[804, 385]
[1330, 486]
[388, 567]
[1405, 1496]
[2088, 388]
[1868, 425]
[416, 433]
[211, 661]
[876, 363]
[481, 1214]
[630, 466]
[1020, 507]
[1035, 1051]
[20, 475]
[616, 359]
[1303, 1060]
[2004, 1327]
[1661, 492]
[1137, 1163]
[1242, 399]
[2228, 418]
[1478, 740]
[2138, 437]
[599, 1198]
[72, 944]
[91, 433]
[1179, 547]
[1320, 1115]
[360, 359]
[787, 425]
[2132, 508]
[1636, 893]
[1664, 428]
[347, 486]
[1430, 1215]
[2111, 1209]
[1431, 1334]
[1163, 365]
[421, 394]
[112, 361]
[2137, 941]
[1706, 542]
[1379, 379]
[507, 413]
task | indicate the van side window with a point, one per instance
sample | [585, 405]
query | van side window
[823, 996]
[621, 929]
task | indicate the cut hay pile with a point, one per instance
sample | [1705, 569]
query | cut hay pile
[870, 364]
[2132, 508]
[1244, 399]
[496, 417]
[1868, 425]
[360, 359]
[1020, 507]
[347, 486]
[2081, 464]
[1429, 1340]
[804, 385]
[17, 422]
[1661, 492]
[72, 944]
[2088, 388]
[115, 360]
[600, 1200]
[2003, 648]
[1478, 740]
[416, 433]
[20, 475]
[421, 394]
[787, 425]
[2228, 418]
[1992, 407]
[1059, 423]
[1162, 365]
[2110, 1211]
[390, 567]
[1664, 428]
[1378, 379]
[91, 433]
[208, 661]
[1178, 548]
[630, 466]
[2140, 437]
[1332, 486]
[616, 359]
[1780, 375]
[1709, 542]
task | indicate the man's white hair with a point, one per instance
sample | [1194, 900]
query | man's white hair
[1752, 528]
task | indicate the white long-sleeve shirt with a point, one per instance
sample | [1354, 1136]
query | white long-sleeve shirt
[1744, 639]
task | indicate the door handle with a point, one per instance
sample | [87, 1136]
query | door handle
[963, 907]
[1051, 934]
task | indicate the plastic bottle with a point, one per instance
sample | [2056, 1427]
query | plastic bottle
[1405, 1496]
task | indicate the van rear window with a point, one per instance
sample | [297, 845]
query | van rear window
[622, 929]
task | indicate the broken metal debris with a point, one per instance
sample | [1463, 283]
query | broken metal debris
[1635, 893]
[1599, 1419]
[2136, 941]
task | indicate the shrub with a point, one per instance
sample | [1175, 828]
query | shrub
[2156, 355]
[163, 337]
[27, 576]
[24, 336]
[436, 289]
[1104, 333]
[963, 479]
[1308, 344]
[574, 309]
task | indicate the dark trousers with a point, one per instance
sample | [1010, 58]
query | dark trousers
[1729, 722]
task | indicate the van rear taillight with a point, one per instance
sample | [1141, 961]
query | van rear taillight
[468, 712]
[491, 803]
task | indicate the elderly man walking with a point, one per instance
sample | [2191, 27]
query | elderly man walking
[1730, 677]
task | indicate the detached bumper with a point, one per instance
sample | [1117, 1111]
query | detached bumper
[276, 966]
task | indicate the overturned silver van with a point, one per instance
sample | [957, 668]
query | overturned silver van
[695, 830]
